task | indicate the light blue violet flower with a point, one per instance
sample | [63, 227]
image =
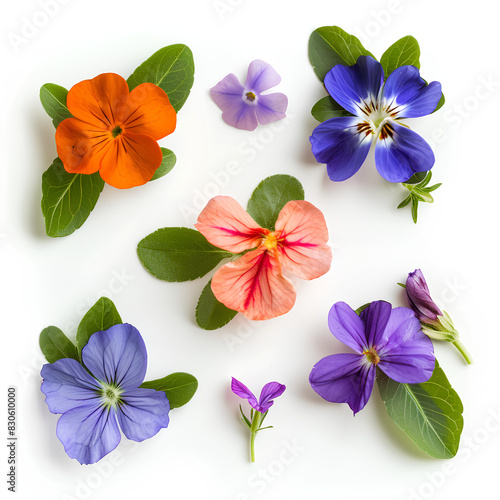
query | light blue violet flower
[259, 409]
[382, 337]
[94, 402]
[376, 107]
[244, 106]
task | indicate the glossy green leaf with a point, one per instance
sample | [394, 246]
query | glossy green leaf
[179, 387]
[327, 108]
[167, 164]
[67, 198]
[331, 45]
[101, 316]
[53, 99]
[404, 52]
[210, 313]
[270, 196]
[429, 413]
[55, 345]
[178, 254]
[172, 69]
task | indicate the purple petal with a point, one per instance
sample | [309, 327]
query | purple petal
[117, 356]
[269, 392]
[420, 298]
[143, 413]
[375, 317]
[338, 143]
[261, 76]
[347, 326]
[398, 157]
[227, 92]
[353, 86]
[241, 115]
[244, 392]
[408, 94]
[344, 378]
[88, 432]
[271, 108]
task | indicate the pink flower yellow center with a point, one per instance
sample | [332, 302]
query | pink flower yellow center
[372, 356]
[271, 241]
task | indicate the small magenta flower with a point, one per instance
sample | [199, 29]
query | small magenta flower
[390, 339]
[94, 402]
[435, 323]
[269, 392]
[376, 107]
[244, 106]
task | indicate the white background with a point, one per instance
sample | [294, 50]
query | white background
[203, 454]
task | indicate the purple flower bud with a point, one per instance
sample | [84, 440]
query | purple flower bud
[420, 298]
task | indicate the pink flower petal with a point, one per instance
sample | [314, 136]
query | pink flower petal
[225, 224]
[254, 286]
[304, 251]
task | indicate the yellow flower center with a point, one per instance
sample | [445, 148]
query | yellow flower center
[372, 356]
[250, 96]
[271, 241]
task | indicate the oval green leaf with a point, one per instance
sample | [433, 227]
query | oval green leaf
[53, 99]
[67, 199]
[55, 345]
[404, 52]
[210, 313]
[178, 254]
[429, 413]
[270, 196]
[327, 108]
[167, 164]
[179, 387]
[172, 69]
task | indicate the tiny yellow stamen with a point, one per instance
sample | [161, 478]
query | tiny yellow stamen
[271, 241]
[372, 356]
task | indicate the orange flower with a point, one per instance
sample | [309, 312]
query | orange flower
[114, 131]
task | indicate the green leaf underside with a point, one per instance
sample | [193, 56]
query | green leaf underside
[67, 199]
[179, 387]
[167, 164]
[172, 69]
[101, 316]
[178, 254]
[270, 196]
[404, 52]
[327, 108]
[429, 413]
[210, 313]
[331, 45]
[55, 345]
[53, 99]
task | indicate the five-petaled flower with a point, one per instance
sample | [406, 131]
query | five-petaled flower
[114, 131]
[91, 402]
[390, 339]
[244, 106]
[343, 143]
[254, 284]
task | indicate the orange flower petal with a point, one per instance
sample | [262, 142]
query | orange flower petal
[304, 251]
[99, 101]
[254, 286]
[148, 111]
[225, 224]
[80, 147]
[131, 161]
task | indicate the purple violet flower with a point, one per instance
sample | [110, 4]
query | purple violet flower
[244, 106]
[376, 107]
[93, 404]
[382, 337]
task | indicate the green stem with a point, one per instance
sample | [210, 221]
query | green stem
[463, 351]
[253, 429]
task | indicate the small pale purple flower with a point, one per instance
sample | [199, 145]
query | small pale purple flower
[382, 337]
[244, 106]
[269, 392]
[93, 404]
[420, 298]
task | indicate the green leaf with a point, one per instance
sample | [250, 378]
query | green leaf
[417, 178]
[405, 202]
[404, 52]
[429, 413]
[270, 196]
[67, 198]
[172, 69]
[360, 309]
[178, 254]
[414, 209]
[440, 104]
[210, 313]
[179, 388]
[101, 316]
[327, 108]
[53, 99]
[329, 46]
[167, 164]
[55, 345]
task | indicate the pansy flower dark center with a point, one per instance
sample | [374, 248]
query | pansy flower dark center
[116, 131]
